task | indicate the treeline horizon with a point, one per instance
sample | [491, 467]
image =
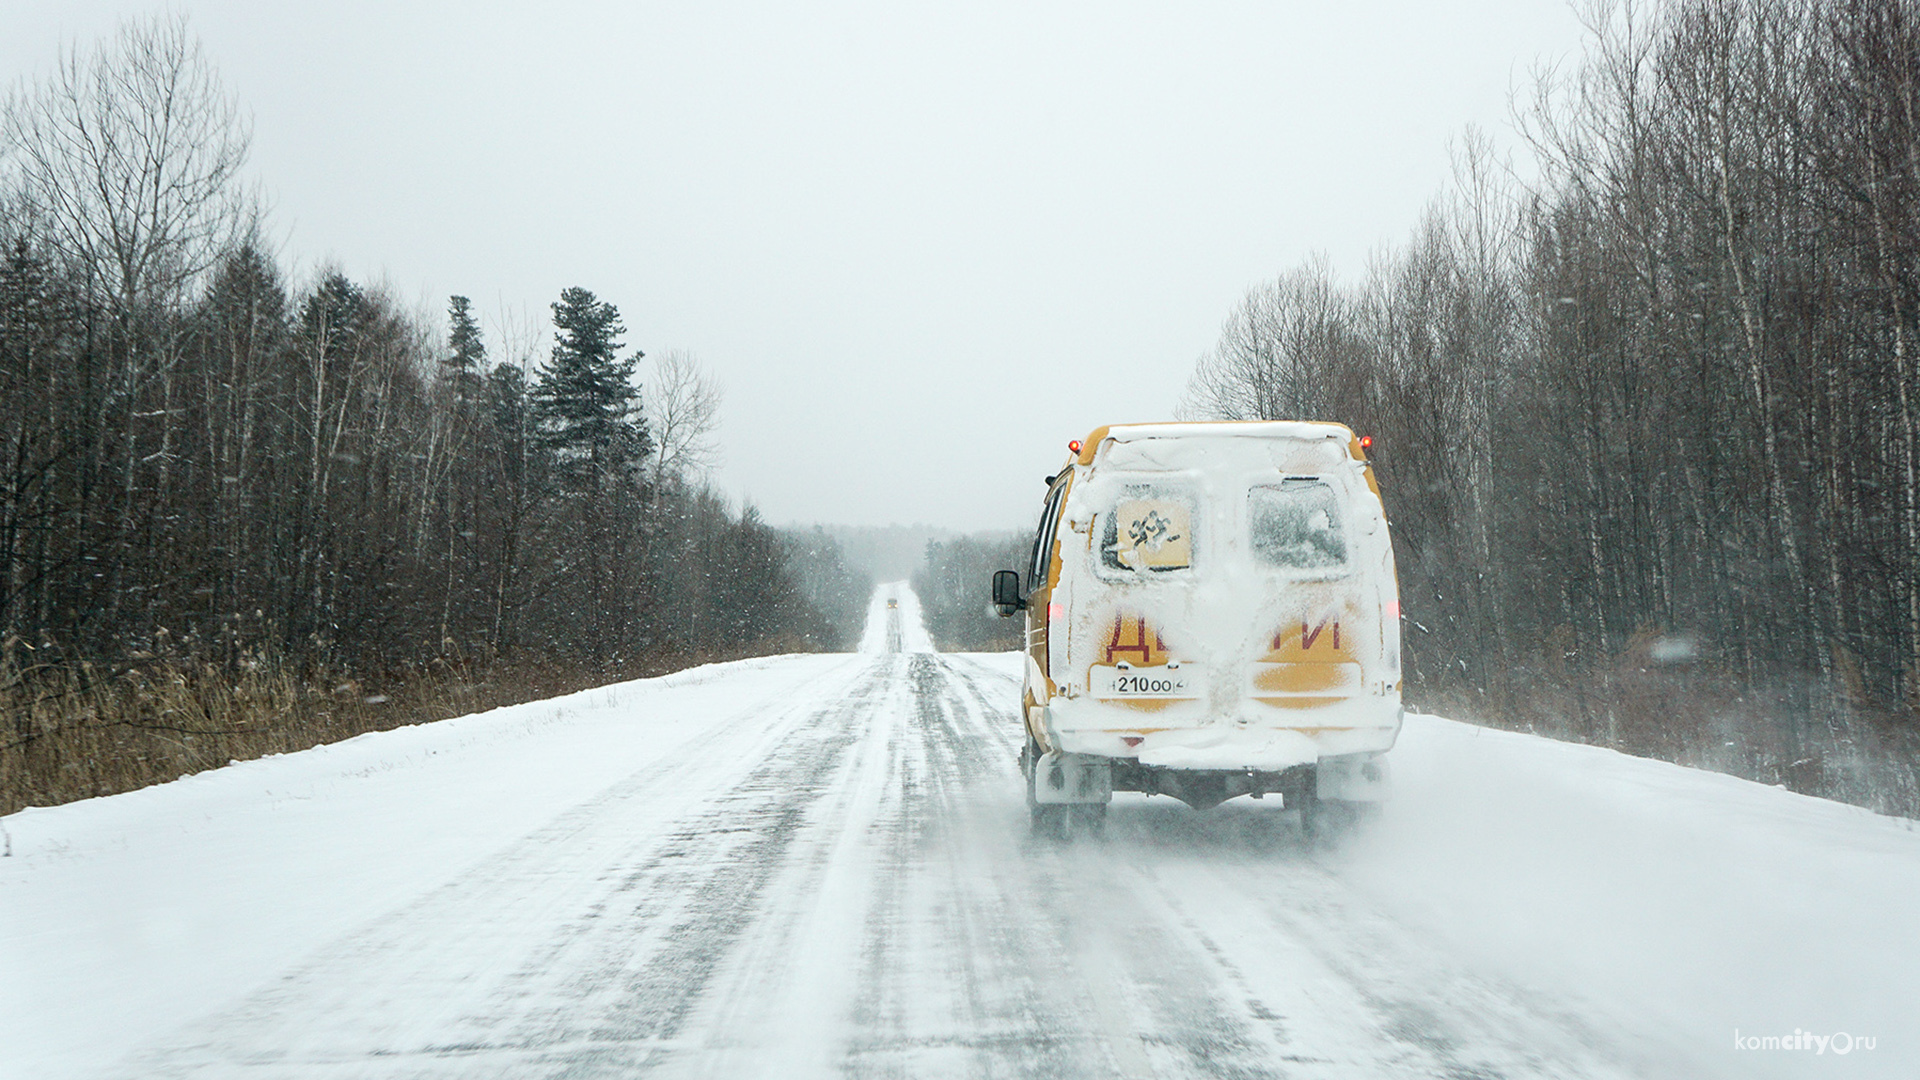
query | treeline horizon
[207, 468]
[952, 582]
[1648, 426]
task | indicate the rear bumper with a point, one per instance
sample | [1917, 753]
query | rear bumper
[1345, 778]
[1257, 740]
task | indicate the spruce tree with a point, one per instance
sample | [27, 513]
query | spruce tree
[332, 318]
[585, 398]
[466, 360]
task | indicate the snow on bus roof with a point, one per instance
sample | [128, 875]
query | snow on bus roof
[1247, 429]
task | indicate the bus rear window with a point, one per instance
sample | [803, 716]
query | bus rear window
[1297, 525]
[1149, 531]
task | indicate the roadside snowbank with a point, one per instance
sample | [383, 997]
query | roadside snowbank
[126, 916]
[1666, 896]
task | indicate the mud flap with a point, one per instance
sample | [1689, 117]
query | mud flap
[1352, 778]
[1072, 778]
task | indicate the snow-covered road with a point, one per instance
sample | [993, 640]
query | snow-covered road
[818, 865]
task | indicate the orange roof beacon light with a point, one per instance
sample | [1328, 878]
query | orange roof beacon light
[1073, 447]
[1366, 442]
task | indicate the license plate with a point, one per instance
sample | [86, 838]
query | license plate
[1184, 681]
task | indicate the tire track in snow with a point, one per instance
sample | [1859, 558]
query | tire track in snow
[1194, 908]
[1341, 989]
[778, 1005]
[707, 888]
[959, 975]
[1157, 1009]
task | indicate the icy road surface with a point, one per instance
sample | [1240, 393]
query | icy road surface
[817, 865]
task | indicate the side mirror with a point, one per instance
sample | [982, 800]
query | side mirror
[1006, 592]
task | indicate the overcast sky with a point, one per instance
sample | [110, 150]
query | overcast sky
[921, 249]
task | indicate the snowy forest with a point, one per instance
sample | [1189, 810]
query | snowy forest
[948, 582]
[242, 513]
[1647, 423]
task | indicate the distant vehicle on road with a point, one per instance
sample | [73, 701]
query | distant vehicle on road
[1211, 611]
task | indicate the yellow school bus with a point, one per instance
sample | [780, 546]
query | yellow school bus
[1211, 611]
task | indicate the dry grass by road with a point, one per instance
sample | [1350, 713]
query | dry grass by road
[75, 730]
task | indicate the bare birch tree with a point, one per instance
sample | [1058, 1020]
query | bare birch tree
[682, 404]
[130, 156]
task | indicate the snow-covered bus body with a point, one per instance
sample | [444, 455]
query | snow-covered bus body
[1211, 611]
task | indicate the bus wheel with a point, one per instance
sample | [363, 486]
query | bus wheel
[1089, 819]
[1331, 822]
[1043, 820]
[1029, 758]
[1050, 821]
